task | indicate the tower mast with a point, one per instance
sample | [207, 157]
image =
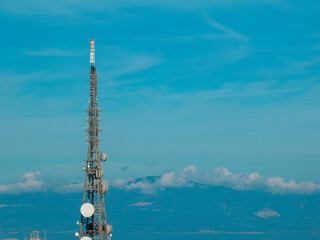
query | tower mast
[93, 224]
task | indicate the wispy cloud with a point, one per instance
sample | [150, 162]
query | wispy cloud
[227, 31]
[141, 204]
[243, 90]
[10, 205]
[122, 62]
[266, 213]
[192, 38]
[51, 52]
[313, 62]
[69, 188]
[60, 7]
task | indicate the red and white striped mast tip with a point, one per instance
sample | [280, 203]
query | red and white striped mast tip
[92, 51]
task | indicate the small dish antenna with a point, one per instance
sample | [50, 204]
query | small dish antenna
[109, 229]
[85, 238]
[87, 210]
[103, 157]
[103, 187]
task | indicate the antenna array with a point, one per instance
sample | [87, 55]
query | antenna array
[93, 224]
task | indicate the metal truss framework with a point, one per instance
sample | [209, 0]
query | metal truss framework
[94, 226]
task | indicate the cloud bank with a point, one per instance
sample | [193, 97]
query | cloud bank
[188, 177]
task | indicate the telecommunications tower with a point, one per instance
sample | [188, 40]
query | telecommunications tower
[93, 224]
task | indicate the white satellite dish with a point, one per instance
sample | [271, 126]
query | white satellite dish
[103, 187]
[87, 210]
[85, 238]
[103, 157]
[109, 229]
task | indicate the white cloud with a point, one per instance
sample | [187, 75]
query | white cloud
[144, 186]
[167, 180]
[30, 175]
[266, 213]
[189, 177]
[191, 168]
[29, 183]
[141, 204]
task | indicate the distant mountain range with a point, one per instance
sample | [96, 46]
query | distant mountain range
[205, 210]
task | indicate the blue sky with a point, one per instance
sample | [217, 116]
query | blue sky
[210, 116]
[232, 84]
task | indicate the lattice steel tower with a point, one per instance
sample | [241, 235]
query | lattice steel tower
[93, 224]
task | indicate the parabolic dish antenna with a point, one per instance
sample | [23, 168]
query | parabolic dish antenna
[87, 210]
[104, 187]
[85, 238]
[104, 157]
[109, 229]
